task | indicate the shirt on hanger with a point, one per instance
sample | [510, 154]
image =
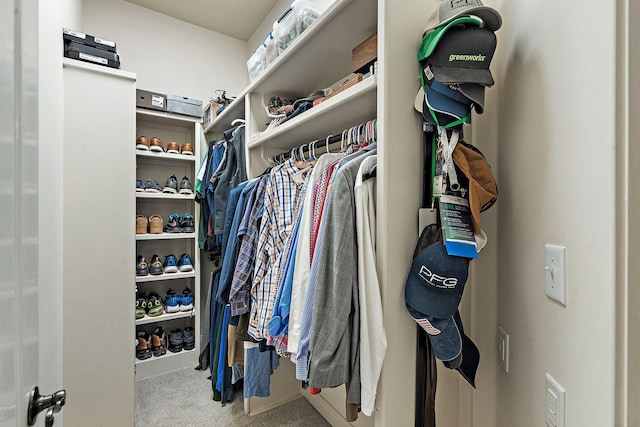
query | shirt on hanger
[279, 202]
[373, 340]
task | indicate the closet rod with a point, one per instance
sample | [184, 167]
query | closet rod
[319, 144]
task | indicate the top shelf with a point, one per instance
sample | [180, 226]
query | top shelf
[166, 118]
[315, 60]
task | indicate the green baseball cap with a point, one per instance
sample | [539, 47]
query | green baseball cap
[431, 39]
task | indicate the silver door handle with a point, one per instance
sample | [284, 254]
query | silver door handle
[53, 403]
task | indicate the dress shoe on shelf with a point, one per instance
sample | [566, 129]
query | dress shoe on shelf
[156, 145]
[187, 149]
[142, 143]
[173, 147]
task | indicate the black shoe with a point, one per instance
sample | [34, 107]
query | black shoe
[143, 347]
[186, 223]
[155, 265]
[158, 342]
[173, 224]
[171, 186]
[188, 338]
[185, 186]
[175, 341]
[142, 268]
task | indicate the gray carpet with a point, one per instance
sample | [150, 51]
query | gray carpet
[183, 398]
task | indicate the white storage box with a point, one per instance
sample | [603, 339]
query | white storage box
[182, 105]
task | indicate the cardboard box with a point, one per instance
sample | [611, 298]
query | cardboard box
[183, 105]
[151, 100]
[210, 113]
[365, 53]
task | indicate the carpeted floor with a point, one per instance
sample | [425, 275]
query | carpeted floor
[183, 398]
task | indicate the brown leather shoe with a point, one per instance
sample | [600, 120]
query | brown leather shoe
[155, 224]
[187, 149]
[156, 145]
[173, 147]
[142, 143]
[141, 224]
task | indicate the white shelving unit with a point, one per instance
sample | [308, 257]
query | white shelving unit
[160, 166]
[317, 59]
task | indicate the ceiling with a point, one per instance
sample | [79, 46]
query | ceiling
[235, 18]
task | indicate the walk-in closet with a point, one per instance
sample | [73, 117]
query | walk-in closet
[257, 272]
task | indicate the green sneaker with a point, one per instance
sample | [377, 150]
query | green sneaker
[141, 305]
[154, 305]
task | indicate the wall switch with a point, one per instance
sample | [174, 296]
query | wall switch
[503, 349]
[555, 273]
[554, 402]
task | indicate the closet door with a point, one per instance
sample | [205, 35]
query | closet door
[98, 243]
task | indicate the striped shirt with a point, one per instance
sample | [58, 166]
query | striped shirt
[281, 196]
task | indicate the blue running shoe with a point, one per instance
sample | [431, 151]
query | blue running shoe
[172, 301]
[187, 300]
[152, 186]
[139, 185]
[186, 223]
[184, 263]
[173, 224]
[170, 264]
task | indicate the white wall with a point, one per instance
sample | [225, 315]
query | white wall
[168, 55]
[549, 133]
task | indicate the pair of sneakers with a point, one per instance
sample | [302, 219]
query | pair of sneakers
[171, 185]
[153, 266]
[153, 224]
[150, 305]
[179, 302]
[182, 264]
[154, 344]
[148, 186]
[182, 339]
[173, 265]
[180, 224]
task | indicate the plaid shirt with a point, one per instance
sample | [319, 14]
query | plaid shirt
[239, 293]
[281, 196]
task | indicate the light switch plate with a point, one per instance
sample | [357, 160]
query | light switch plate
[555, 273]
[554, 403]
[503, 349]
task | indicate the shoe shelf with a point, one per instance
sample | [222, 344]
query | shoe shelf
[164, 196]
[356, 104]
[144, 154]
[165, 236]
[165, 276]
[167, 358]
[165, 317]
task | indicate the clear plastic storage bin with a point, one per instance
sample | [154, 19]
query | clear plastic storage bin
[255, 64]
[285, 30]
[270, 49]
[306, 13]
